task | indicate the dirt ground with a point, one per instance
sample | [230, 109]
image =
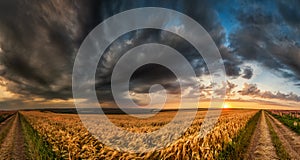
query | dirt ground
[261, 146]
[289, 139]
[12, 146]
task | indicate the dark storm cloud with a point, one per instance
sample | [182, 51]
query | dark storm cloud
[203, 12]
[232, 69]
[231, 62]
[247, 73]
[254, 91]
[149, 75]
[290, 12]
[39, 40]
[269, 36]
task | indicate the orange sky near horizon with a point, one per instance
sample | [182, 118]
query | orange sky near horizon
[202, 104]
[58, 103]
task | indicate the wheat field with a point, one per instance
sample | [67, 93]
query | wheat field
[71, 140]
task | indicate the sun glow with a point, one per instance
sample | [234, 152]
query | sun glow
[226, 105]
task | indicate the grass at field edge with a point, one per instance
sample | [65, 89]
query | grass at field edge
[36, 147]
[238, 147]
[288, 121]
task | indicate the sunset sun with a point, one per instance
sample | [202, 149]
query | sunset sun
[226, 105]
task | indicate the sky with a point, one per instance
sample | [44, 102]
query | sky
[259, 42]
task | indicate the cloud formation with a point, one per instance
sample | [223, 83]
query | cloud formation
[39, 41]
[247, 73]
[252, 90]
[269, 34]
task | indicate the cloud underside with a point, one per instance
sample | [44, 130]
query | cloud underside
[39, 42]
[253, 91]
